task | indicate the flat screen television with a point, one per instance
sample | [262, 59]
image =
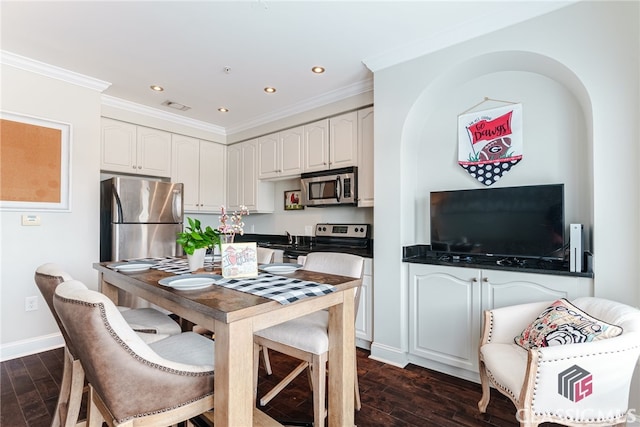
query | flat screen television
[526, 221]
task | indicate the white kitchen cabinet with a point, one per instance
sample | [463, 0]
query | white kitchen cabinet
[365, 157]
[134, 149]
[331, 143]
[280, 154]
[244, 187]
[201, 166]
[316, 146]
[343, 140]
[446, 306]
[364, 318]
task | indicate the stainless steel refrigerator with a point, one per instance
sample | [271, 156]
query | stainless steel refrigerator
[139, 218]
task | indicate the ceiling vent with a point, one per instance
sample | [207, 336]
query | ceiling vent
[176, 105]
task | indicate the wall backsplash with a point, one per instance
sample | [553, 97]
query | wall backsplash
[295, 221]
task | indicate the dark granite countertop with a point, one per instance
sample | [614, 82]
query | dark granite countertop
[306, 245]
[422, 254]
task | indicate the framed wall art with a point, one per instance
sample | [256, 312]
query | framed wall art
[35, 163]
[292, 200]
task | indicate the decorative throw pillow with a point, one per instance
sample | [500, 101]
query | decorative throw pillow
[564, 323]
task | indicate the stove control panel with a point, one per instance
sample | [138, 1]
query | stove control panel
[342, 230]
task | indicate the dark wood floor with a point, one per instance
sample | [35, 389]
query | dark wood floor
[391, 396]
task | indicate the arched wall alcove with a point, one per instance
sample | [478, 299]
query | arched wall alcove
[557, 127]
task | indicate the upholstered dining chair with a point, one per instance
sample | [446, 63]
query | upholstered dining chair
[265, 255]
[578, 363]
[307, 338]
[150, 324]
[131, 382]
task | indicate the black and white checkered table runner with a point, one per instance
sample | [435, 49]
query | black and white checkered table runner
[283, 289]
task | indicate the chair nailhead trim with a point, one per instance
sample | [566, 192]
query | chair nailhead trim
[160, 411]
[115, 336]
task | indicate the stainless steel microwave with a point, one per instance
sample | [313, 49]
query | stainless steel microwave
[330, 187]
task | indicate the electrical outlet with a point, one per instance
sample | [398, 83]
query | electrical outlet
[30, 303]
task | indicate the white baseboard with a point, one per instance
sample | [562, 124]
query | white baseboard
[16, 349]
[390, 355]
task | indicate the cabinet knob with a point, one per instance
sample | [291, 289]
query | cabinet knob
[474, 280]
[134, 166]
[485, 279]
[139, 167]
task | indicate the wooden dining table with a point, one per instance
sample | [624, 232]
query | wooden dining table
[235, 316]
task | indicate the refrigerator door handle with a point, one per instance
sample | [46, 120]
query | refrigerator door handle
[118, 205]
[177, 205]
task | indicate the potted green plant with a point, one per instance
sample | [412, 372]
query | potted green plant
[195, 241]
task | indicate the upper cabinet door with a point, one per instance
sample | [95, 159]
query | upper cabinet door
[249, 175]
[135, 149]
[185, 160]
[291, 151]
[154, 152]
[213, 176]
[269, 156]
[365, 157]
[343, 140]
[118, 146]
[234, 177]
[316, 146]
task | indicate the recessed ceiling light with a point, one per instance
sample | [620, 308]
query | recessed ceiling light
[317, 69]
[270, 89]
[156, 88]
[223, 110]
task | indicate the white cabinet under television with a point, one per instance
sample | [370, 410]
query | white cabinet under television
[446, 306]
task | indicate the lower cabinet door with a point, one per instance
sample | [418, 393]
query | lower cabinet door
[444, 315]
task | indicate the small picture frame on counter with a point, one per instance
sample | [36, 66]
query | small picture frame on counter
[292, 199]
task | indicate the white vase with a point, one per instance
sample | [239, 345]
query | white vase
[196, 261]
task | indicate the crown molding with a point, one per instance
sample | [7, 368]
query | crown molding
[309, 104]
[52, 71]
[479, 26]
[123, 104]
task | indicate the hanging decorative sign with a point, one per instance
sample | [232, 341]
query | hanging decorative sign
[490, 141]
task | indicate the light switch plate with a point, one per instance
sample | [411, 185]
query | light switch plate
[30, 219]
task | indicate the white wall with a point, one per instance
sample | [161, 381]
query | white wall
[68, 238]
[574, 67]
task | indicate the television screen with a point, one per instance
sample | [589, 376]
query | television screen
[523, 221]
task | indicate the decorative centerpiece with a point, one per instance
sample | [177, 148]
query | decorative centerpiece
[237, 259]
[231, 225]
[196, 241]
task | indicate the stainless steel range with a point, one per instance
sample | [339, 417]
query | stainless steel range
[346, 238]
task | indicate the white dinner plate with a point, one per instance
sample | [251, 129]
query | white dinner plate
[188, 282]
[280, 268]
[131, 266]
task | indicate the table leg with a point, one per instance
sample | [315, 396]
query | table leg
[341, 361]
[233, 384]
[108, 289]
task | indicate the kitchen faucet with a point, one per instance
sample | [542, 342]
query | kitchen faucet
[289, 238]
